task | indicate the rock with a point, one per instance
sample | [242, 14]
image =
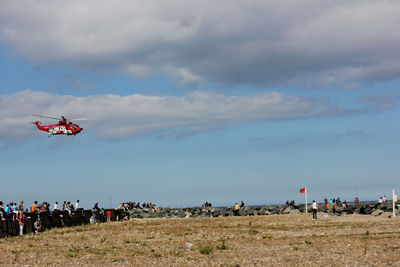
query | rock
[243, 212]
[141, 215]
[287, 210]
[217, 213]
[269, 208]
[377, 212]
[294, 211]
[338, 209]
[364, 209]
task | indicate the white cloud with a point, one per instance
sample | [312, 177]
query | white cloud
[119, 117]
[184, 76]
[302, 43]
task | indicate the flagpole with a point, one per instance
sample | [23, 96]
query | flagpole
[306, 199]
[394, 213]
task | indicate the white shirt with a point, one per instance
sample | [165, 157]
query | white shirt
[314, 205]
[55, 206]
[77, 205]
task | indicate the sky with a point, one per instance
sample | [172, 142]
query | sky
[194, 101]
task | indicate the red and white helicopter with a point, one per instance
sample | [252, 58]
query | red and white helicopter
[62, 127]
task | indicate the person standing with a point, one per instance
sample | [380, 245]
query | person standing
[21, 206]
[236, 209]
[314, 209]
[108, 213]
[356, 202]
[21, 222]
[94, 212]
[33, 207]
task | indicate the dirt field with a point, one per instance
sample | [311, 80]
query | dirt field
[288, 240]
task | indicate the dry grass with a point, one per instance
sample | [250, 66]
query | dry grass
[289, 240]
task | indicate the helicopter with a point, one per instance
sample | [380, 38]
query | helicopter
[63, 127]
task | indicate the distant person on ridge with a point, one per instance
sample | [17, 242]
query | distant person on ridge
[356, 204]
[236, 209]
[94, 212]
[314, 209]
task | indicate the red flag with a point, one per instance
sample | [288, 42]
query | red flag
[303, 190]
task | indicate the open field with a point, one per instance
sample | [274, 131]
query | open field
[355, 240]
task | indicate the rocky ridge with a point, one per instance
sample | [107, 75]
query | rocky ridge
[375, 209]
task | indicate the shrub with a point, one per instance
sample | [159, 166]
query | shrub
[222, 247]
[205, 250]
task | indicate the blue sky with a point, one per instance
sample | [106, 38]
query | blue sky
[206, 102]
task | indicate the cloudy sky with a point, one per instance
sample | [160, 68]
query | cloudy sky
[194, 101]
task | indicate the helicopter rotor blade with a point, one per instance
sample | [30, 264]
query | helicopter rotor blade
[47, 117]
[82, 119]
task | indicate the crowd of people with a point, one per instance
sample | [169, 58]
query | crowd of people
[13, 212]
[207, 205]
[11, 209]
[382, 200]
[129, 206]
[335, 201]
[291, 203]
[236, 209]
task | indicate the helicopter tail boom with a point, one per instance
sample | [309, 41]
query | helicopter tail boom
[40, 127]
